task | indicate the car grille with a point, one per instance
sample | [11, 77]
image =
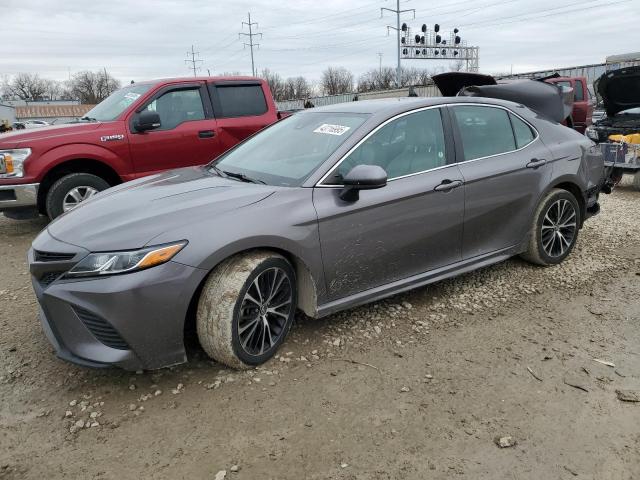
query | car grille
[52, 256]
[101, 329]
[49, 277]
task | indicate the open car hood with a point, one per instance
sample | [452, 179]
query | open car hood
[620, 89]
[552, 101]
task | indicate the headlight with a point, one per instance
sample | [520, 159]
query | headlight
[591, 133]
[112, 263]
[12, 162]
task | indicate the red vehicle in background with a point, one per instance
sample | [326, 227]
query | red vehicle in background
[581, 116]
[139, 130]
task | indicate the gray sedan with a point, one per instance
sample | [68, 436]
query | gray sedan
[327, 209]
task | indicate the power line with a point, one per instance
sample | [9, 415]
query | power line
[193, 61]
[250, 24]
[398, 12]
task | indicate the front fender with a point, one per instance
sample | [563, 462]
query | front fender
[117, 159]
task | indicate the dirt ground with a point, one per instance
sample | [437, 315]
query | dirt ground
[414, 387]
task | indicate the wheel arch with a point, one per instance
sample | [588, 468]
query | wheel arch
[576, 191]
[76, 165]
[305, 284]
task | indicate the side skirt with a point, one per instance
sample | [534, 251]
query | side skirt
[432, 276]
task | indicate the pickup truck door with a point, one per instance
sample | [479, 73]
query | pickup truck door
[241, 109]
[187, 134]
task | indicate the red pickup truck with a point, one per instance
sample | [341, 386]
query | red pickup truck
[139, 130]
[581, 115]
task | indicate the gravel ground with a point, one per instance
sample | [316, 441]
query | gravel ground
[487, 376]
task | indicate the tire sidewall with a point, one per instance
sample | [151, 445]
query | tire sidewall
[60, 189]
[549, 200]
[271, 262]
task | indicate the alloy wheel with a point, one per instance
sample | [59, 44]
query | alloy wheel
[264, 311]
[558, 228]
[77, 195]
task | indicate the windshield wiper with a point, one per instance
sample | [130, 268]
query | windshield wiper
[88, 119]
[241, 176]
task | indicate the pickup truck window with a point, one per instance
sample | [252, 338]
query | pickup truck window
[238, 100]
[116, 103]
[176, 107]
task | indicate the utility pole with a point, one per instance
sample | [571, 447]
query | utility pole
[380, 55]
[193, 61]
[398, 12]
[250, 24]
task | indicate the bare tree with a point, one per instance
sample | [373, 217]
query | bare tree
[93, 87]
[336, 80]
[275, 82]
[296, 88]
[458, 66]
[26, 86]
[377, 79]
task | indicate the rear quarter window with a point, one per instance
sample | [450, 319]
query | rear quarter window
[238, 100]
[523, 132]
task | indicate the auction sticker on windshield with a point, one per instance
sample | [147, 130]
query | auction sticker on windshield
[329, 129]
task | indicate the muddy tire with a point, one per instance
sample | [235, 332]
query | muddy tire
[246, 308]
[554, 228]
[71, 190]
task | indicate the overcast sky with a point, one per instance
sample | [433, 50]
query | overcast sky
[150, 39]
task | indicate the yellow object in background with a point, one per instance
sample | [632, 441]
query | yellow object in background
[631, 138]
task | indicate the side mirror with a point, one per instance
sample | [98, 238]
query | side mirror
[146, 120]
[362, 177]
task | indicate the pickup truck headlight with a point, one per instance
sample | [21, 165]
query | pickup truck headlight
[591, 133]
[12, 162]
[112, 263]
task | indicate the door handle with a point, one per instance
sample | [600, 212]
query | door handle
[448, 185]
[206, 134]
[536, 162]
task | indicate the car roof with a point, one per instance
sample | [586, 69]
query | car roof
[393, 106]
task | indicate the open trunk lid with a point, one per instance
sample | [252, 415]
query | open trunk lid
[553, 101]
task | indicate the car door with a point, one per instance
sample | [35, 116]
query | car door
[240, 108]
[187, 132]
[505, 170]
[410, 226]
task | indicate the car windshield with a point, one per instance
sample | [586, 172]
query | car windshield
[286, 153]
[116, 103]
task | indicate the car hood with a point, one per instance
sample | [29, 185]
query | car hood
[17, 138]
[620, 89]
[131, 215]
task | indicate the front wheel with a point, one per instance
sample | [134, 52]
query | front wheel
[554, 229]
[246, 308]
[71, 190]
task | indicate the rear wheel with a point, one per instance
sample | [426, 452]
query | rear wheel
[71, 190]
[246, 308]
[554, 230]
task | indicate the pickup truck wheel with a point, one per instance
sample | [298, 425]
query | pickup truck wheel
[69, 191]
[246, 308]
[554, 230]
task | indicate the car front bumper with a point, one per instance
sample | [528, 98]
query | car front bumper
[18, 196]
[134, 321]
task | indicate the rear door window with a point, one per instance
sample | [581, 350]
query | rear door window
[578, 92]
[240, 100]
[485, 131]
